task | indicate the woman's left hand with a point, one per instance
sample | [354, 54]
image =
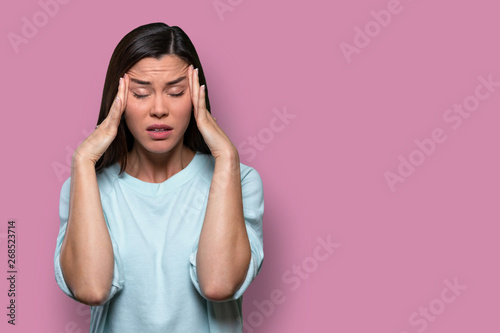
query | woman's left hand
[215, 138]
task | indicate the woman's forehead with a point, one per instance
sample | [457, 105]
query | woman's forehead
[167, 68]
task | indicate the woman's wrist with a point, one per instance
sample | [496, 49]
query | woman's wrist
[80, 158]
[230, 156]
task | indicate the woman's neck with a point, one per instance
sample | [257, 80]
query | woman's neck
[157, 168]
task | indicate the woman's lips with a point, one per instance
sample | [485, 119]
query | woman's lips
[158, 126]
[159, 131]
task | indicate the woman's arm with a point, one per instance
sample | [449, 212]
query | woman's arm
[223, 254]
[86, 257]
[86, 253]
[224, 249]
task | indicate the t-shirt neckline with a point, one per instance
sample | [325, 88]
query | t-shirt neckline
[168, 185]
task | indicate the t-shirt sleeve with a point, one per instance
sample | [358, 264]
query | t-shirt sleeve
[253, 211]
[117, 283]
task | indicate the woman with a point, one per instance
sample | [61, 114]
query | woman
[161, 226]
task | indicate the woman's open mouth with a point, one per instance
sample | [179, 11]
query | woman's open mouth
[159, 131]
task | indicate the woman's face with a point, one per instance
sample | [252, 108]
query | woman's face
[158, 103]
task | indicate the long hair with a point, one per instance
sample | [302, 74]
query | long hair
[151, 40]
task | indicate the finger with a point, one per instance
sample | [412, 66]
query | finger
[126, 82]
[195, 91]
[202, 98]
[201, 102]
[190, 79]
[113, 118]
[116, 107]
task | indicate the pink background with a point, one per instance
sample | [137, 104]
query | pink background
[352, 118]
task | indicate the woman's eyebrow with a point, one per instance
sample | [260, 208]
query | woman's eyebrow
[176, 80]
[147, 83]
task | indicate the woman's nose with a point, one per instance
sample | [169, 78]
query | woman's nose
[160, 108]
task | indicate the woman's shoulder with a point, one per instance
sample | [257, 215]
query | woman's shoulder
[108, 174]
[250, 179]
[105, 179]
[248, 173]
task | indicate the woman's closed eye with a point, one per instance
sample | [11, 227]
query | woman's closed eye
[142, 96]
[178, 95]
[139, 96]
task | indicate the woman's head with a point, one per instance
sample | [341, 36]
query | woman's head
[156, 41]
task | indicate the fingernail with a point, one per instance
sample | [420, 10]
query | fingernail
[202, 87]
[120, 82]
[196, 71]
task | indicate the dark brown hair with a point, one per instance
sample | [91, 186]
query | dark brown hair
[151, 40]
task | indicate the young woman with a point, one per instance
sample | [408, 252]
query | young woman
[161, 225]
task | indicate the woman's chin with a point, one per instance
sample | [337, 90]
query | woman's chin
[159, 147]
[160, 151]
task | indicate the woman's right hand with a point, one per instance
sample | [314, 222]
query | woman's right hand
[94, 146]
[86, 256]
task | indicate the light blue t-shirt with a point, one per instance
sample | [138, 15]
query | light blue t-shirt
[155, 228]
